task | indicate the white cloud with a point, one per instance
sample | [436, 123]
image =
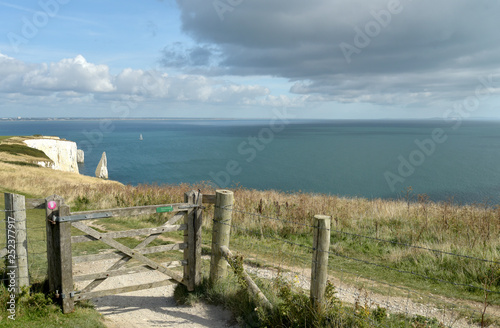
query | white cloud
[75, 80]
[74, 74]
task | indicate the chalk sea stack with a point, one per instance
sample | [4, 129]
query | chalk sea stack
[102, 167]
[80, 156]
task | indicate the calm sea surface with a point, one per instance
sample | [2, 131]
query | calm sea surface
[373, 159]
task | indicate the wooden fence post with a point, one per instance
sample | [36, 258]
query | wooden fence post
[60, 266]
[224, 200]
[321, 246]
[192, 236]
[16, 235]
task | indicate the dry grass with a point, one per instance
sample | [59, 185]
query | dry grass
[42, 182]
[472, 230]
[445, 225]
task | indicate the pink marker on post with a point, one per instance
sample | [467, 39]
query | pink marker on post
[52, 205]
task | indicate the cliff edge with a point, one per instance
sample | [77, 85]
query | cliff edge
[62, 152]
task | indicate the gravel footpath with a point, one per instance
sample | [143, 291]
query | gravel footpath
[155, 307]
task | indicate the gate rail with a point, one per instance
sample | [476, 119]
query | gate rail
[60, 220]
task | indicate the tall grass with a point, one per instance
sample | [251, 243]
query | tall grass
[471, 230]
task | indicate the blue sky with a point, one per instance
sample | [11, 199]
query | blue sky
[358, 59]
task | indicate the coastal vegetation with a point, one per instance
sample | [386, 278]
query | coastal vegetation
[14, 151]
[376, 232]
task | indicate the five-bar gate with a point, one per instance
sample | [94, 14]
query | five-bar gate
[60, 260]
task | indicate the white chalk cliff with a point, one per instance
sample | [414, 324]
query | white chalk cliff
[63, 153]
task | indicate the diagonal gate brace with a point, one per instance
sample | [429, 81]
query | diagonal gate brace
[120, 263]
[126, 250]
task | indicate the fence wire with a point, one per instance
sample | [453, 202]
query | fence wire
[229, 208]
[415, 246]
[411, 272]
[35, 246]
[368, 262]
[4, 210]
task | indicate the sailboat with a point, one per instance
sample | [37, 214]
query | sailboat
[140, 137]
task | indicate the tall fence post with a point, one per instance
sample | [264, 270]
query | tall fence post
[16, 236]
[60, 266]
[192, 237]
[321, 246]
[224, 200]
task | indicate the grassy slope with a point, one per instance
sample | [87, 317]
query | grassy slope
[14, 151]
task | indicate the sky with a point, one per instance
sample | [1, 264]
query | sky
[319, 59]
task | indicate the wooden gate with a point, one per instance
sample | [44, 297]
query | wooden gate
[60, 260]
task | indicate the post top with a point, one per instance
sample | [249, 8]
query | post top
[322, 217]
[224, 191]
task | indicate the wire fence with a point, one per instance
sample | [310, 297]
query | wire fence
[391, 296]
[373, 263]
[290, 259]
[415, 247]
[360, 236]
[36, 244]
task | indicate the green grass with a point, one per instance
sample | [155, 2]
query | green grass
[37, 310]
[286, 255]
[16, 149]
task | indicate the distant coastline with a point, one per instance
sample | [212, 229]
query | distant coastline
[23, 119]
[7, 119]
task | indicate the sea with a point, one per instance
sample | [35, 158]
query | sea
[458, 161]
